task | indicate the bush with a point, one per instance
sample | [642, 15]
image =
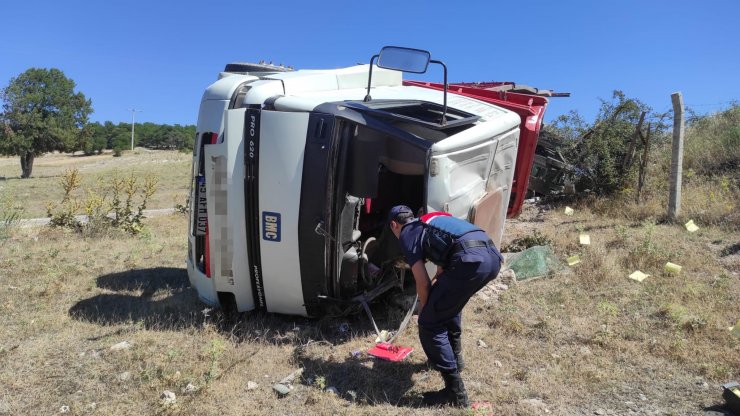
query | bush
[124, 194]
[711, 165]
[64, 214]
[119, 204]
[645, 254]
[599, 151]
[117, 151]
[712, 143]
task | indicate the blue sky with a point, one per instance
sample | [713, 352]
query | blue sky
[158, 56]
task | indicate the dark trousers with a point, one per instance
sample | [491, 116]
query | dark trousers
[440, 320]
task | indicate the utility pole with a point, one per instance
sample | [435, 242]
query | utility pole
[133, 121]
[674, 203]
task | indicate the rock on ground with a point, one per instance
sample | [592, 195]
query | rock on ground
[124, 345]
[168, 397]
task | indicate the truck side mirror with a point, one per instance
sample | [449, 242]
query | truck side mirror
[407, 60]
[404, 59]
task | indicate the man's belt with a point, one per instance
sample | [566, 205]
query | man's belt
[463, 244]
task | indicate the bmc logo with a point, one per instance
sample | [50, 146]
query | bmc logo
[270, 226]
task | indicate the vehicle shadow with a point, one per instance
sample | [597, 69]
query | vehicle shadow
[718, 410]
[175, 305]
[364, 380]
[147, 280]
[161, 298]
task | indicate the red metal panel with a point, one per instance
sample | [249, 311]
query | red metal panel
[530, 108]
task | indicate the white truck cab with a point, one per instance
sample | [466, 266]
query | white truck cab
[294, 173]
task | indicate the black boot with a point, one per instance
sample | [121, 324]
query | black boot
[453, 394]
[460, 361]
[456, 385]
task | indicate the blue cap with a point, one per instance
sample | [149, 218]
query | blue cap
[401, 211]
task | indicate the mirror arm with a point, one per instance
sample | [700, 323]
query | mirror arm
[370, 79]
[444, 110]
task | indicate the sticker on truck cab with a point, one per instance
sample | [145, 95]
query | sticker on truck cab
[270, 226]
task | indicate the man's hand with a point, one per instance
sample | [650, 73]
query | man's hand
[440, 270]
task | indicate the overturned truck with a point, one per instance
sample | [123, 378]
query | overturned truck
[294, 173]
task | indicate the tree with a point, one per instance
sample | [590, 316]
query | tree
[149, 135]
[115, 135]
[91, 139]
[598, 151]
[41, 113]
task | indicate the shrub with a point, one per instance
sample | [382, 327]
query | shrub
[712, 143]
[600, 151]
[124, 194]
[119, 204]
[117, 151]
[711, 176]
[65, 213]
[647, 253]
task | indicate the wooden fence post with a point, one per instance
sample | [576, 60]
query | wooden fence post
[627, 163]
[643, 161]
[674, 203]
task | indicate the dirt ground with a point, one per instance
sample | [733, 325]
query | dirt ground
[169, 167]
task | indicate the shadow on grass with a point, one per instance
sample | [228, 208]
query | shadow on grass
[366, 380]
[147, 280]
[160, 298]
[298, 331]
[730, 250]
[178, 307]
[718, 410]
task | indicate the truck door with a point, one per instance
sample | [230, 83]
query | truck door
[470, 175]
[281, 148]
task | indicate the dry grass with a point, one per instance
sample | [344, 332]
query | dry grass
[582, 340]
[169, 167]
[653, 338]
[68, 300]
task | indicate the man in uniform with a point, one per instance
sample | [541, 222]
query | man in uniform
[466, 261]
